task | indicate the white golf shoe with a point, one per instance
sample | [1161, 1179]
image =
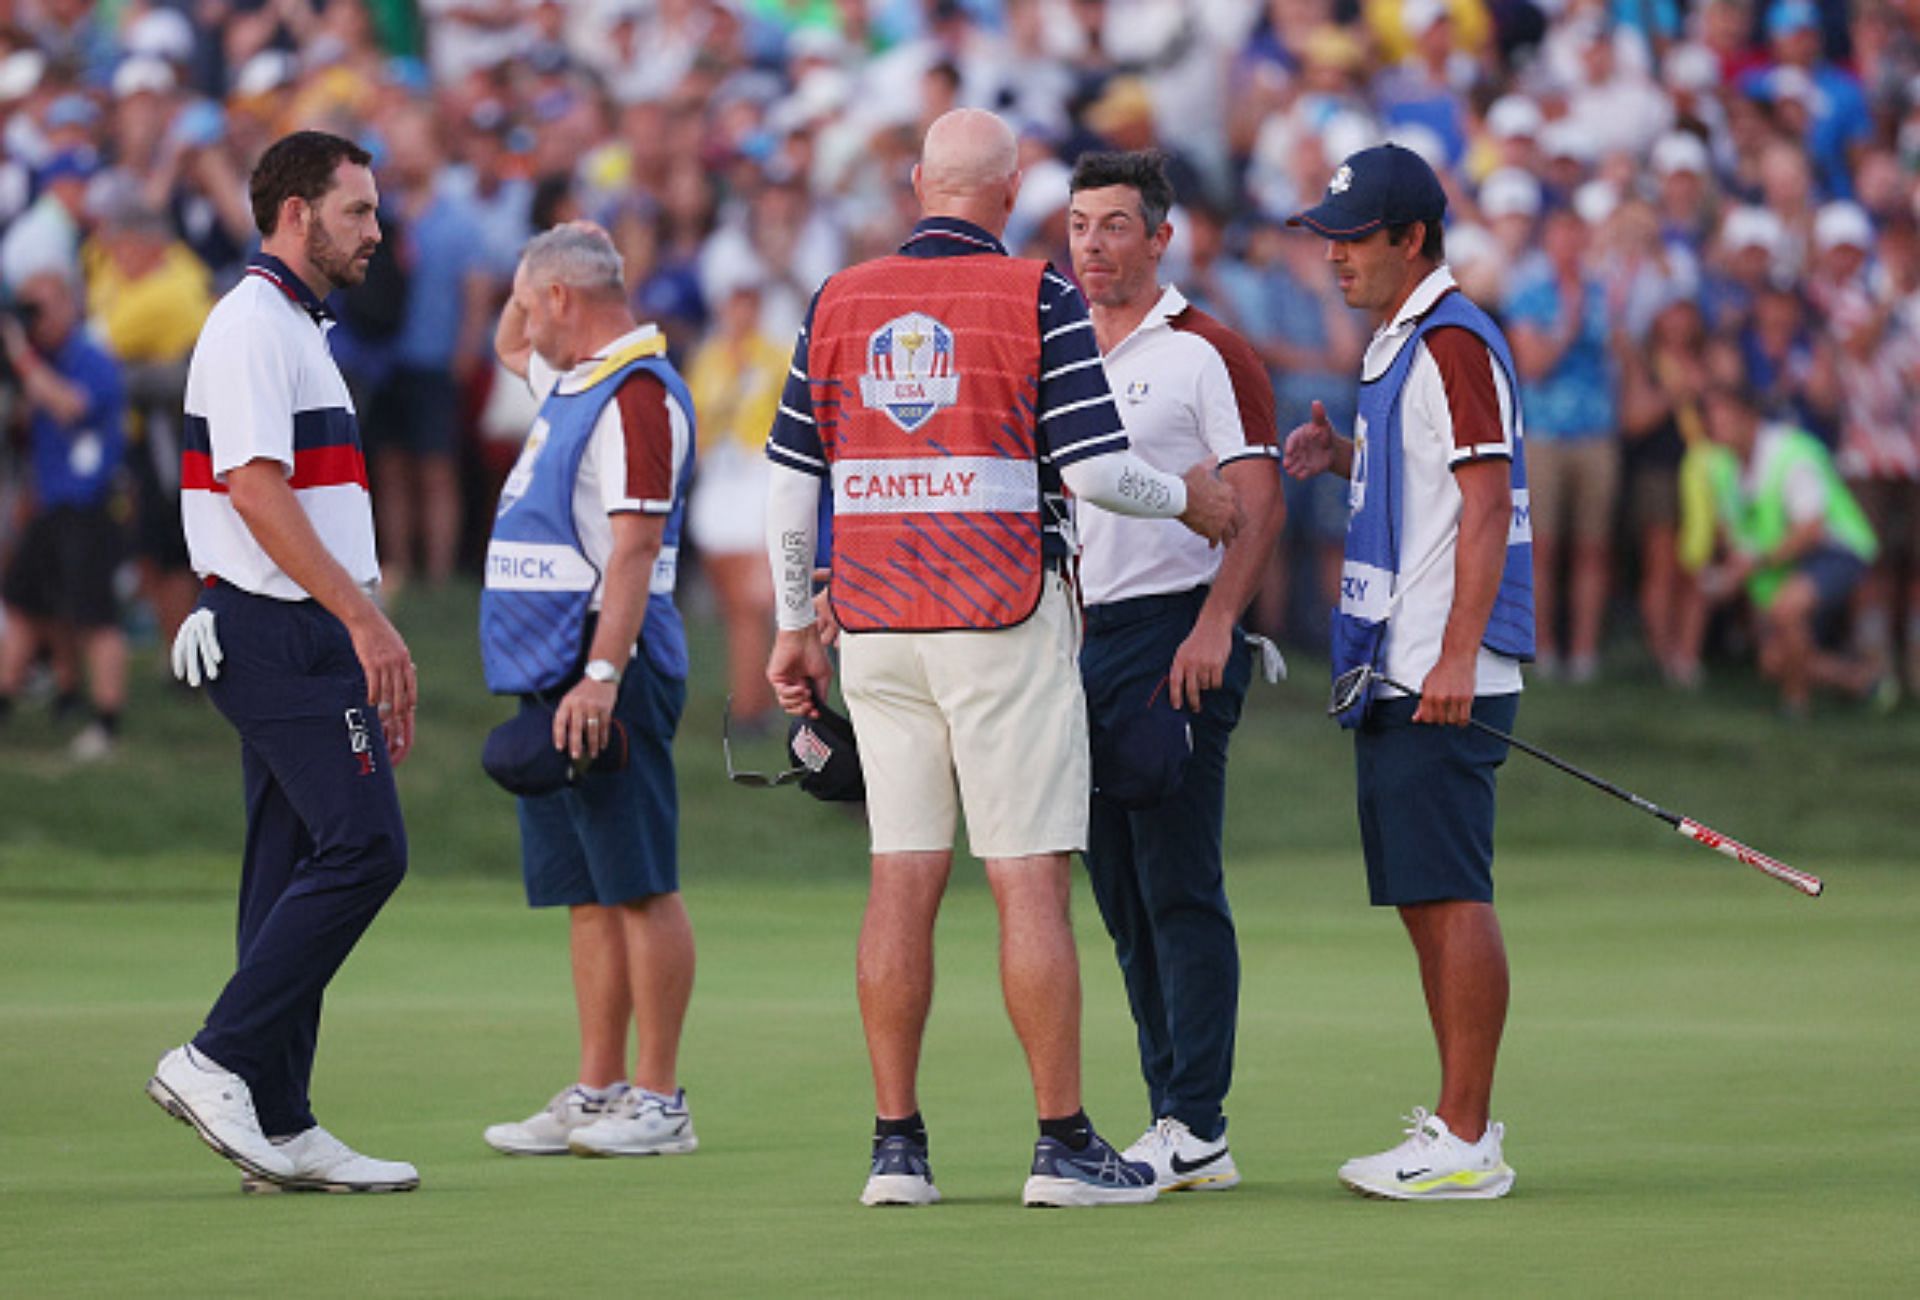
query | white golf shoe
[323, 1163]
[218, 1105]
[1433, 1165]
[640, 1123]
[545, 1132]
[1182, 1162]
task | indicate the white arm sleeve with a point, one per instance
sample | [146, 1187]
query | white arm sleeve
[793, 522]
[1123, 483]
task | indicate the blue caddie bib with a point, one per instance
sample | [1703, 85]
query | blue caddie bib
[1371, 573]
[539, 583]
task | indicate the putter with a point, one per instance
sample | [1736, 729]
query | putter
[1351, 686]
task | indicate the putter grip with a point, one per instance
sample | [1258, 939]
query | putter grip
[1805, 882]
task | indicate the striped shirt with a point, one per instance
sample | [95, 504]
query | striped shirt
[1075, 412]
[263, 385]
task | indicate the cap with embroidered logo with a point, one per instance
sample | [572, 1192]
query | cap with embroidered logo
[1387, 185]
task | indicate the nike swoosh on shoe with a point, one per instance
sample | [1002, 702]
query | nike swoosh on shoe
[1188, 1166]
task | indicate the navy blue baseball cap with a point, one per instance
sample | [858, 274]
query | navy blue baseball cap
[825, 746]
[1387, 185]
[519, 753]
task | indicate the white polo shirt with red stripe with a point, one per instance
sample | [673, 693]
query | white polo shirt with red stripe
[1188, 388]
[263, 385]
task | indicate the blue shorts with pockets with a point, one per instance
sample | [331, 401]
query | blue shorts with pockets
[1426, 802]
[613, 837]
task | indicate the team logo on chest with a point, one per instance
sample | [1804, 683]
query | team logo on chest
[910, 374]
[522, 476]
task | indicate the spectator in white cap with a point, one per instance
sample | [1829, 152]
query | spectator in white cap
[1751, 239]
[143, 90]
[1513, 124]
[1566, 154]
[1510, 203]
[1684, 175]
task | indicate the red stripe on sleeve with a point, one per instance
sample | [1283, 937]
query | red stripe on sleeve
[319, 467]
[196, 473]
[328, 467]
[1466, 372]
[648, 426]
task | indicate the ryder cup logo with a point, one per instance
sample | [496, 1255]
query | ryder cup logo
[522, 476]
[1342, 180]
[1357, 480]
[910, 371]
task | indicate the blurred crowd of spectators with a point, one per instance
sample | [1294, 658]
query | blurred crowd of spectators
[1631, 181]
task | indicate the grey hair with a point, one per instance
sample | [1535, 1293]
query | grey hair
[576, 256]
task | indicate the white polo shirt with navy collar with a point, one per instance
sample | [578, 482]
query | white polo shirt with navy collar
[1188, 388]
[263, 385]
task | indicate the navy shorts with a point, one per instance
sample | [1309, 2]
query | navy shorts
[1426, 802]
[613, 837]
[1834, 572]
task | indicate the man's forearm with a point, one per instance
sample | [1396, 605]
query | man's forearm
[1126, 485]
[793, 523]
[1257, 482]
[1479, 561]
[271, 512]
[1342, 457]
[510, 339]
[627, 586]
[47, 389]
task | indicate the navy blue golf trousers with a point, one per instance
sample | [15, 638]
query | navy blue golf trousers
[325, 843]
[1156, 872]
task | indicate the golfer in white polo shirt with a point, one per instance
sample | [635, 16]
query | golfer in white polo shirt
[1164, 665]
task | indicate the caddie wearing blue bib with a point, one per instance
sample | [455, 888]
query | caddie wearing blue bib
[1436, 593]
[577, 619]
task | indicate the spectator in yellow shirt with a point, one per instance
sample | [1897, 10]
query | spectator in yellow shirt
[735, 377]
[147, 295]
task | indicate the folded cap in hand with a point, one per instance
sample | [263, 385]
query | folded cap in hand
[519, 753]
[825, 746]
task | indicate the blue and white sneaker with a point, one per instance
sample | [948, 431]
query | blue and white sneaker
[639, 1123]
[545, 1132]
[901, 1174]
[1099, 1175]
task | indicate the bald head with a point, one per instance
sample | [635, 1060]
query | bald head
[969, 168]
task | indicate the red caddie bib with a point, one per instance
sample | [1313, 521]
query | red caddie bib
[925, 375]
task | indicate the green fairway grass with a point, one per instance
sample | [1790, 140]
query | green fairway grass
[1708, 1080]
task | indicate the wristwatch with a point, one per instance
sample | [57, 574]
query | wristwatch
[602, 670]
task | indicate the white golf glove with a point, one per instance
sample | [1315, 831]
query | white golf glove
[1273, 664]
[196, 649]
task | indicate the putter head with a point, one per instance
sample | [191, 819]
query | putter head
[1349, 688]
